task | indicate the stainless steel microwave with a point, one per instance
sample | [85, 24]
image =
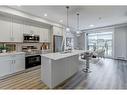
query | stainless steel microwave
[31, 38]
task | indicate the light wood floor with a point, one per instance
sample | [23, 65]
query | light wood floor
[106, 74]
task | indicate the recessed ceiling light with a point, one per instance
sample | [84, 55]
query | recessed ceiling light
[91, 25]
[61, 20]
[45, 14]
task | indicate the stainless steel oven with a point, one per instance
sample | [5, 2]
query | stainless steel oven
[32, 61]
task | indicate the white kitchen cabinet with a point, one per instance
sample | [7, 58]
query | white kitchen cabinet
[17, 29]
[57, 31]
[44, 35]
[35, 30]
[11, 64]
[69, 69]
[19, 62]
[56, 67]
[5, 67]
[41, 35]
[26, 28]
[29, 29]
[5, 30]
[12, 30]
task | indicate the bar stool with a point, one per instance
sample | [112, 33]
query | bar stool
[86, 56]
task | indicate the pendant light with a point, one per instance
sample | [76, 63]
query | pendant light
[78, 31]
[67, 27]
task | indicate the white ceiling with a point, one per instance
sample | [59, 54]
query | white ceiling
[98, 16]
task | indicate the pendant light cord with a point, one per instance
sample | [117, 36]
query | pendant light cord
[78, 21]
[67, 16]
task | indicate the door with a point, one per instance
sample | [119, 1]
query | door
[5, 67]
[26, 28]
[57, 31]
[5, 29]
[19, 63]
[17, 28]
[46, 35]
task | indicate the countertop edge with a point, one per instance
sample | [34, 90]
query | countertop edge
[11, 53]
[63, 55]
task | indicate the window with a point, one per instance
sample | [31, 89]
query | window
[100, 40]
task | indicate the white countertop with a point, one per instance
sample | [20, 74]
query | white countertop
[11, 53]
[59, 55]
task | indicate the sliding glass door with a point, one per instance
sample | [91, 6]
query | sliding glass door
[100, 40]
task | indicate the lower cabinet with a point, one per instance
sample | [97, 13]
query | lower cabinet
[19, 63]
[11, 64]
[5, 67]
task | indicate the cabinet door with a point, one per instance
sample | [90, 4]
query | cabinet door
[33, 29]
[41, 35]
[5, 67]
[73, 64]
[19, 63]
[17, 28]
[5, 29]
[26, 28]
[46, 35]
[57, 31]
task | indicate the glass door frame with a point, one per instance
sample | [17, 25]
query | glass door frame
[101, 32]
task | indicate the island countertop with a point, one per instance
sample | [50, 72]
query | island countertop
[59, 55]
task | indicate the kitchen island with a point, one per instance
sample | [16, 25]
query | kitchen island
[57, 67]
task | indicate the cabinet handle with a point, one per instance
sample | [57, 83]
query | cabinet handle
[13, 61]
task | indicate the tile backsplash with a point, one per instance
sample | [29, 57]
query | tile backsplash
[13, 46]
[8, 47]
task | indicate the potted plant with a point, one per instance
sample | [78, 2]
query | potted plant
[3, 49]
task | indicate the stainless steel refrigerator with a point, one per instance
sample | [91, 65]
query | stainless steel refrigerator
[58, 44]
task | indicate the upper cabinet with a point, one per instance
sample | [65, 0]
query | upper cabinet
[35, 30]
[57, 31]
[12, 30]
[26, 28]
[17, 31]
[44, 35]
[5, 29]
